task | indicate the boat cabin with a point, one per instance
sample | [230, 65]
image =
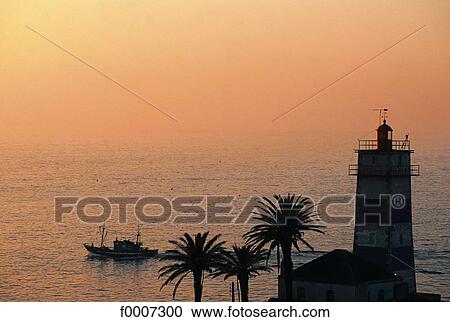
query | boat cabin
[127, 246]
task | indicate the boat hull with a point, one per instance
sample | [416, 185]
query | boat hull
[110, 253]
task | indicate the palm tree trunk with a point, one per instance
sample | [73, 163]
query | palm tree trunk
[287, 268]
[243, 281]
[198, 286]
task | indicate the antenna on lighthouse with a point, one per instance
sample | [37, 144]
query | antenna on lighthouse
[382, 114]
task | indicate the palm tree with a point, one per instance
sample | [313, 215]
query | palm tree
[284, 223]
[244, 262]
[192, 256]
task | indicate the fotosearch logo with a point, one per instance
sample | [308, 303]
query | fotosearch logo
[158, 209]
[220, 209]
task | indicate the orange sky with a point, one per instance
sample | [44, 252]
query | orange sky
[221, 66]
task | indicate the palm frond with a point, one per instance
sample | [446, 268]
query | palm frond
[284, 220]
[191, 254]
[241, 261]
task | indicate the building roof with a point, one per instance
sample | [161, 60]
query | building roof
[341, 267]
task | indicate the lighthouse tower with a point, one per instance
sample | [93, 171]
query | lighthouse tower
[383, 212]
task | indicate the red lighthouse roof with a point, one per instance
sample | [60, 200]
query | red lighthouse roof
[384, 127]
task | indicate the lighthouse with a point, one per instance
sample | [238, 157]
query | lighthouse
[383, 206]
[381, 266]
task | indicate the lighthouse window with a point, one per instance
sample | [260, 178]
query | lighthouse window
[401, 239]
[372, 237]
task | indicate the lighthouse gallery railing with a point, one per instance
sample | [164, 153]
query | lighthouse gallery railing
[373, 145]
[393, 170]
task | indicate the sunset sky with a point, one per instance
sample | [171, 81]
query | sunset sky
[221, 66]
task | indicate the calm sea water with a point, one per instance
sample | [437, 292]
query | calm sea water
[45, 261]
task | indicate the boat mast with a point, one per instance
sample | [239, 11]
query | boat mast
[102, 230]
[138, 234]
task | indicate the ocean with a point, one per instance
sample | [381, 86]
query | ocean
[43, 260]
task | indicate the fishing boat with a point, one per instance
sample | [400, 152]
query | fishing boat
[122, 249]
